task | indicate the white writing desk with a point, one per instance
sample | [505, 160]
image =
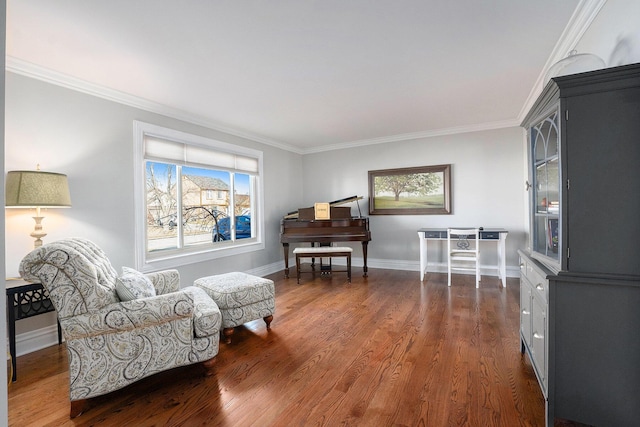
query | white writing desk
[495, 235]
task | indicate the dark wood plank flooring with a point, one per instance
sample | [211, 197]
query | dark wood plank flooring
[387, 350]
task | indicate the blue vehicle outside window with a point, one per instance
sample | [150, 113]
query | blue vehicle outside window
[223, 232]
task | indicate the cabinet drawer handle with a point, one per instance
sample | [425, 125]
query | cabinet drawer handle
[526, 312]
[540, 287]
[538, 336]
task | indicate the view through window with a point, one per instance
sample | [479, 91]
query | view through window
[200, 209]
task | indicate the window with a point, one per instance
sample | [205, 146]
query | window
[196, 198]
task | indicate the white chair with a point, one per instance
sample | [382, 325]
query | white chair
[463, 251]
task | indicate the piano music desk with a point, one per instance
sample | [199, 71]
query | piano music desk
[498, 236]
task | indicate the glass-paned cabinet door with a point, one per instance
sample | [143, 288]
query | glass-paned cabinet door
[545, 200]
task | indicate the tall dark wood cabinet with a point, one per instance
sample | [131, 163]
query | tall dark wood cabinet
[580, 281]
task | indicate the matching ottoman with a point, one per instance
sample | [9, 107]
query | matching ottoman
[241, 298]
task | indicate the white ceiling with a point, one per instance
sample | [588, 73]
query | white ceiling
[304, 74]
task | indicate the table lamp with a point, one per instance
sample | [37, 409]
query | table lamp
[37, 189]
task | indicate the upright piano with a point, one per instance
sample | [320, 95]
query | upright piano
[302, 227]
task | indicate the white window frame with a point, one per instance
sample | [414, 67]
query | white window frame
[148, 262]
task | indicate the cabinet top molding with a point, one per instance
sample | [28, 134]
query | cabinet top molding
[606, 79]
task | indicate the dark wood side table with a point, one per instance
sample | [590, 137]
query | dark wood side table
[24, 300]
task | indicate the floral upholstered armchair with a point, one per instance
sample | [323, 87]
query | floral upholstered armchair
[120, 329]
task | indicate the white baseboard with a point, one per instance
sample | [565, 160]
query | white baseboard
[265, 270]
[35, 340]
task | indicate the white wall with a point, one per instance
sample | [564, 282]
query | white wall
[487, 189]
[614, 35]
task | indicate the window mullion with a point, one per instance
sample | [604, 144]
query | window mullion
[232, 206]
[179, 213]
[253, 207]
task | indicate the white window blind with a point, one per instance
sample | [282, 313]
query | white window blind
[194, 155]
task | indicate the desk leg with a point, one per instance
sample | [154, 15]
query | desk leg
[502, 261]
[423, 255]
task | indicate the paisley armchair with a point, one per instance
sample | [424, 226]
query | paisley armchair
[112, 343]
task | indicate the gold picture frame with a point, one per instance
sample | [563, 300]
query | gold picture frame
[424, 190]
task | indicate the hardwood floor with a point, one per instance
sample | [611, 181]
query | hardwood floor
[384, 350]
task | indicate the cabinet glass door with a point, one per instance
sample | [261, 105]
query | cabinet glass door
[545, 204]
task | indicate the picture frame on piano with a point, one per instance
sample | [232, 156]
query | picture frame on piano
[424, 190]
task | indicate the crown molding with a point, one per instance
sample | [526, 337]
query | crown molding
[585, 13]
[417, 135]
[582, 17]
[37, 72]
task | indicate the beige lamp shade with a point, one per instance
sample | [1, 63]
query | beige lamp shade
[31, 189]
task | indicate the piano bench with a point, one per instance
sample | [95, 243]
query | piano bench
[323, 252]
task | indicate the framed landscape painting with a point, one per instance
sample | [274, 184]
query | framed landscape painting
[422, 190]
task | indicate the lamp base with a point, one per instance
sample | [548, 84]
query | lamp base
[37, 232]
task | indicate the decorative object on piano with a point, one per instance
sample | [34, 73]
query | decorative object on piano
[422, 190]
[322, 211]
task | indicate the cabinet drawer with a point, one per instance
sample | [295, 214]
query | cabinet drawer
[489, 235]
[435, 234]
[536, 277]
